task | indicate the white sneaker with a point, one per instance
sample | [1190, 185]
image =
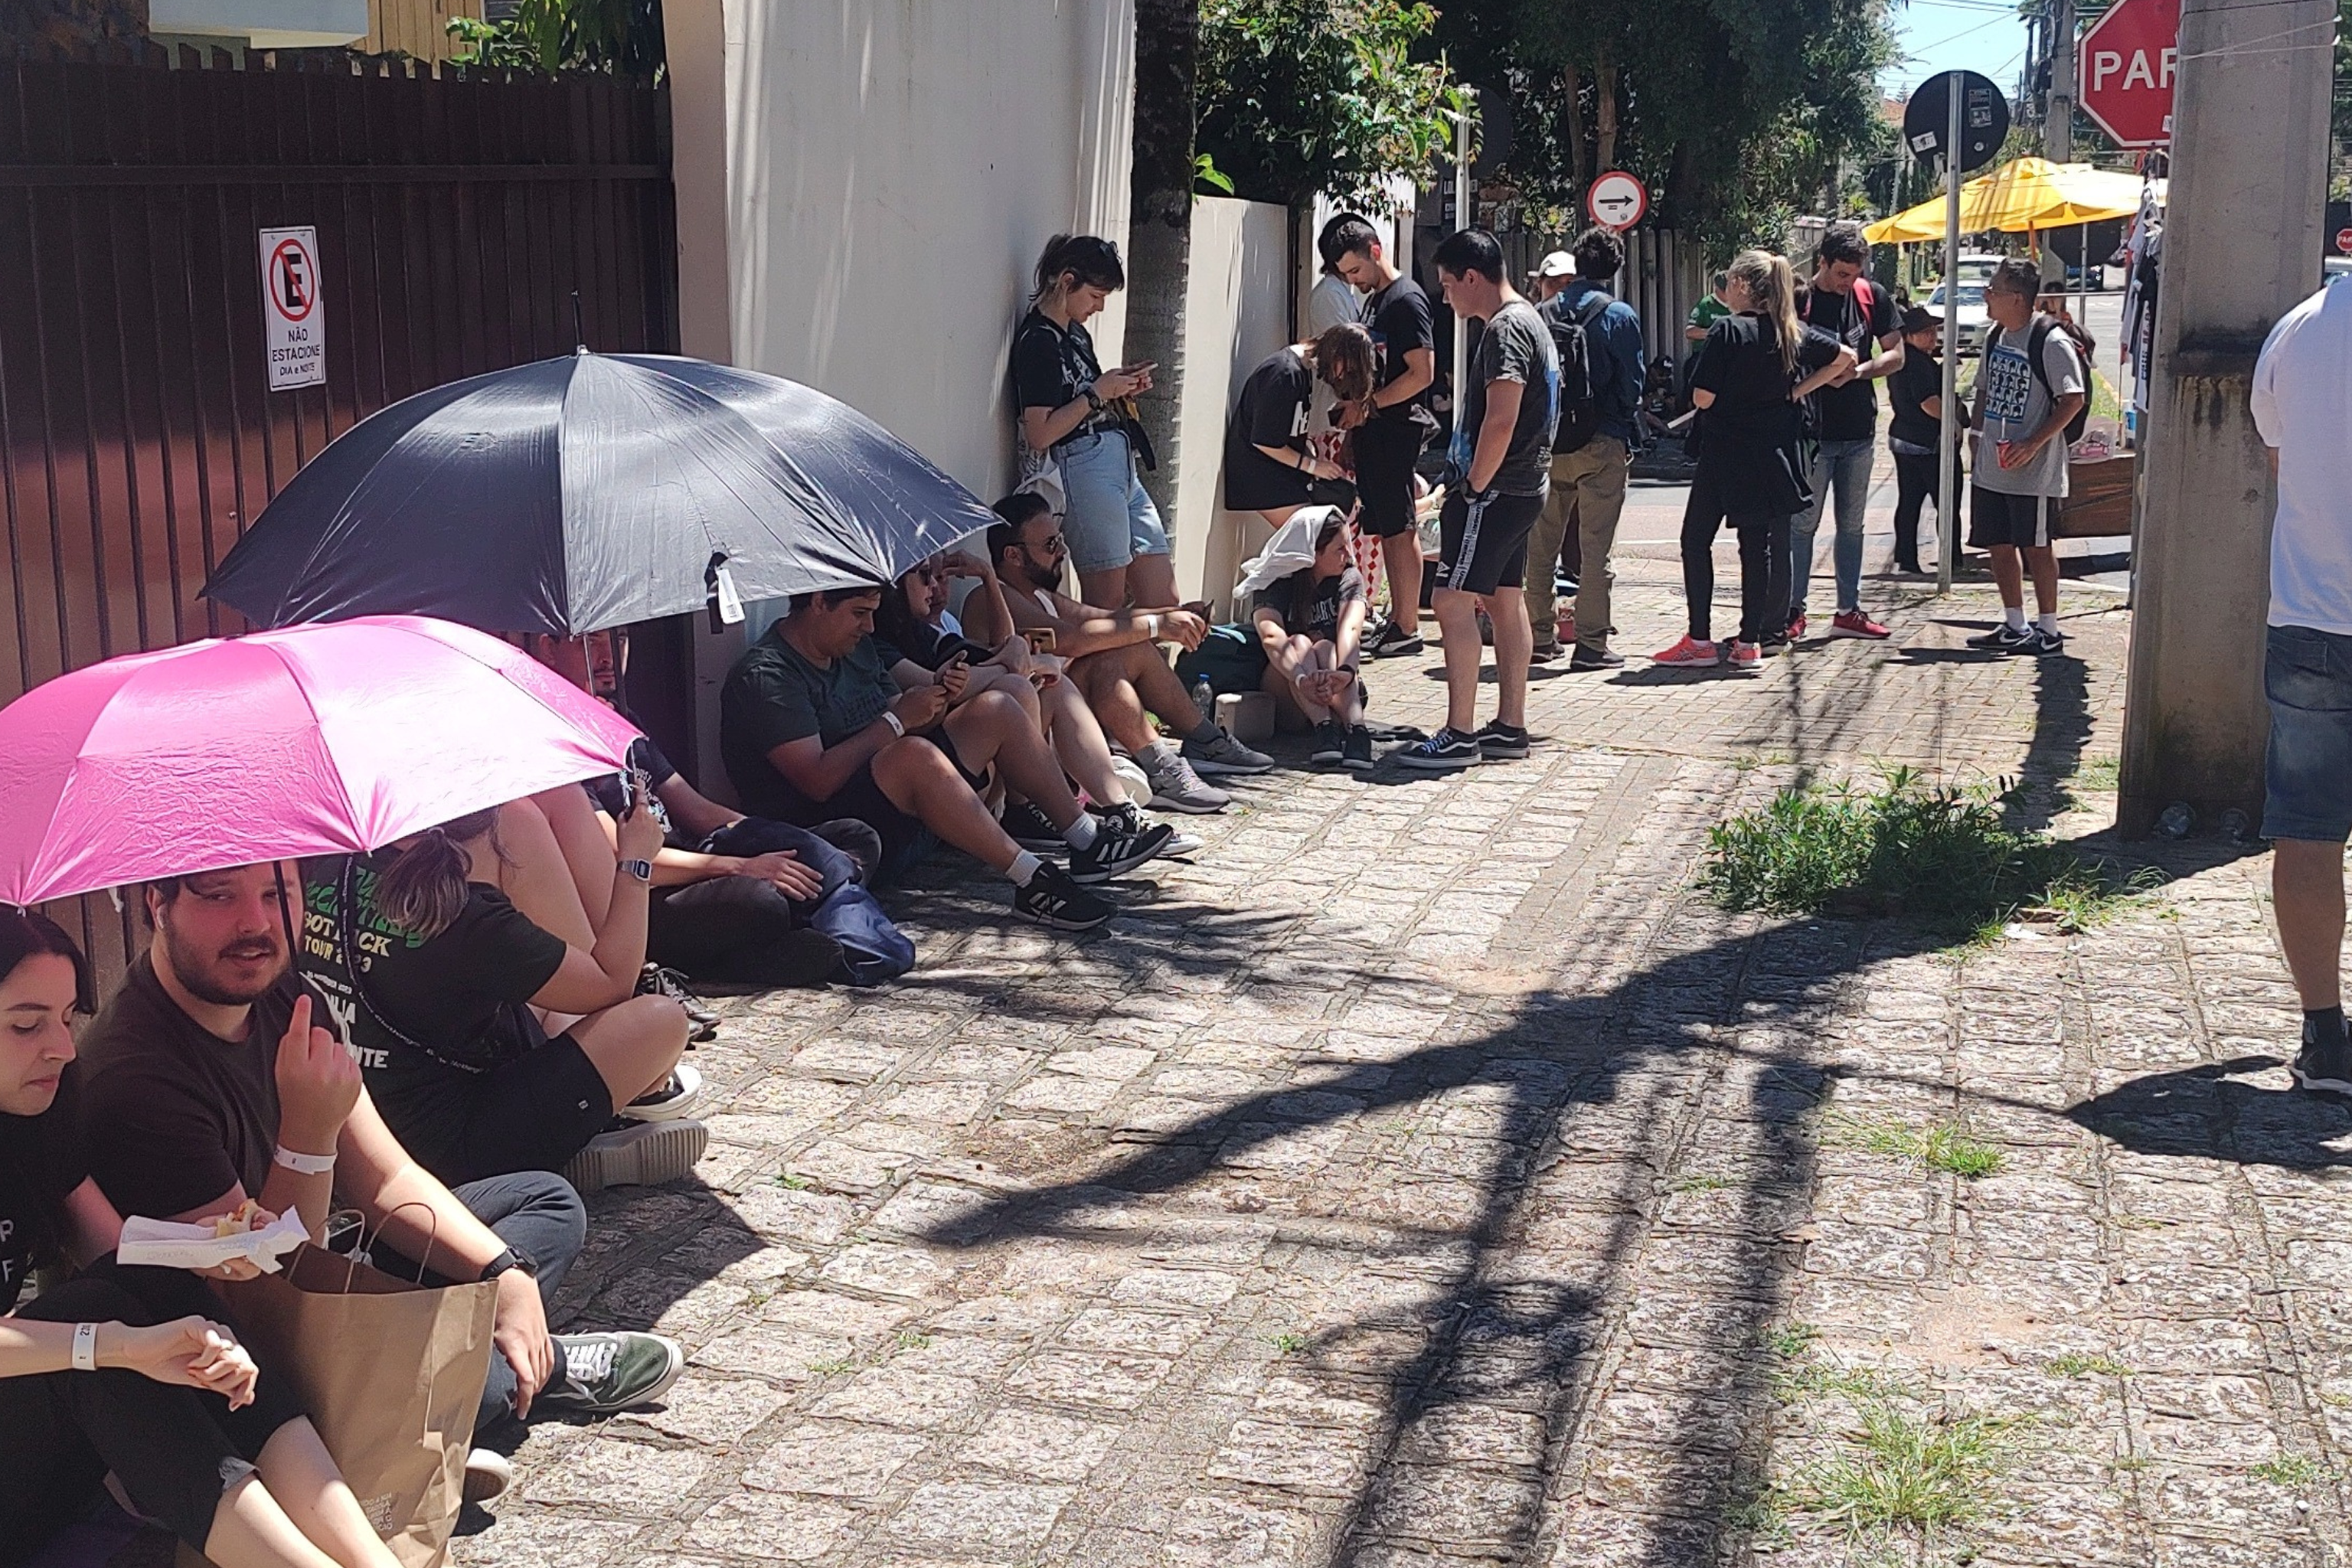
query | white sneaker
[488, 1475]
[638, 1154]
[671, 1101]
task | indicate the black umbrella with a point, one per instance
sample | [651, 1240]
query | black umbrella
[589, 491]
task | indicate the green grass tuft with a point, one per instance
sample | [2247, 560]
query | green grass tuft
[1938, 853]
[1943, 1147]
[2291, 1470]
[829, 1368]
[1701, 1184]
[1288, 1344]
[1789, 1340]
[914, 1340]
[2072, 1365]
[1904, 1473]
[795, 1181]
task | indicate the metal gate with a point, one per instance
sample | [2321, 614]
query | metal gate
[458, 215]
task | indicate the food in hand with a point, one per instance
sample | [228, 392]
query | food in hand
[238, 1221]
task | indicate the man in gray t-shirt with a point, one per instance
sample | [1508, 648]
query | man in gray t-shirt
[2030, 382]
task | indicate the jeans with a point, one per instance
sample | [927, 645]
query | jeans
[1110, 519]
[1914, 489]
[175, 1450]
[1590, 485]
[709, 928]
[1845, 465]
[538, 1214]
[2307, 676]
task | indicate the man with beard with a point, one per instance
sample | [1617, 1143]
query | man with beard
[205, 1083]
[1115, 658]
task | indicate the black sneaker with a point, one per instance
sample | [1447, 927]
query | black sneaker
[1051, 899]
[1330, 745]
[1441, 751]
[2323, 1065]
[2040, 644]
[1395, 642]
[1032, 828]
[655, 981]
[1356, 750]
[1595, 659]
[1546, 653]
[1116, 850]
[2003, 638]
[606, 1374]
[1498, 740]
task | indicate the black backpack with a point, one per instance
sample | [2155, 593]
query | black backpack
[2037, 337]
[1579, 409]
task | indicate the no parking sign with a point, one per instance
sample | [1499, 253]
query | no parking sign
[293, 310]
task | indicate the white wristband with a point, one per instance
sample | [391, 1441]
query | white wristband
[303, 1164]
[85, 1347]
[1151, 627]
[897, 725]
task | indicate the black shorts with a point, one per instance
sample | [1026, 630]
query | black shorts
[532, 1114]
[1996, 517]
[905, 840]
[1385, 449]
[1485, 541]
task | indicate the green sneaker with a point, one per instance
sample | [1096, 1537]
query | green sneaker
[605, 1374]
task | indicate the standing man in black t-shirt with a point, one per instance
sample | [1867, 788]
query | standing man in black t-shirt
[1858, 313]
[1502, 464]
[1393, 425]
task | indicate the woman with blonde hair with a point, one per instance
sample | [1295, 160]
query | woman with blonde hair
[1749, 383]
[1271, 466]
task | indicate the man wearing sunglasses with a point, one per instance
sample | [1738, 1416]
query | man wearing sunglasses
[1115, 661]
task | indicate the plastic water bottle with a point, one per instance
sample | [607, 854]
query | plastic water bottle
[1205, 700]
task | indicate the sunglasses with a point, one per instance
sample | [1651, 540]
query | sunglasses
[1051, 545]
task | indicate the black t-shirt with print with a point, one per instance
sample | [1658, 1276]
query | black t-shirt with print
[1401, 322]
[1311, 605]
[41, 1160]
[1850, 413]
[1050, 363]
[173, 1115]
[1272, 413]
[1516, 346]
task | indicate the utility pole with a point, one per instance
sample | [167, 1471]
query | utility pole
[2242, 245]
[2058, 127]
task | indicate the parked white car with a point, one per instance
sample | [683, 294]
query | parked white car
[1969, 321]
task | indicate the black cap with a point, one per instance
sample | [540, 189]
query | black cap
[1918, 317]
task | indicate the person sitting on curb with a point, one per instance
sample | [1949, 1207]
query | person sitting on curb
[738, 900]
[1114, 658]
[493, 1041]
[136, 1371]
[1309, 619]
[205, 1083]
[811, 725]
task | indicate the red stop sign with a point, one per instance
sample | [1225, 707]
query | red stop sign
[2128, 62]
[2344, 240]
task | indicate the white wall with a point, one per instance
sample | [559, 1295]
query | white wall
[886, 172]
[1236, 311]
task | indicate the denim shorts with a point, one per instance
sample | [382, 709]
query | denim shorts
[1110, 519]
[2307, 676]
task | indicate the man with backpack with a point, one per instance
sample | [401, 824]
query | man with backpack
[2031, 398]
[1600, 372]
[1858, 313]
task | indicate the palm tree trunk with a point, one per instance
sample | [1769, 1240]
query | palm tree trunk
[1159, 223]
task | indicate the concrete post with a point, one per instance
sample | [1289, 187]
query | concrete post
[2240, 247]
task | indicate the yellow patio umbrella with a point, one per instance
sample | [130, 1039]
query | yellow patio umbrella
[2022, 195]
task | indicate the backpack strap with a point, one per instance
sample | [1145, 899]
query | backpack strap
[2037, 338]
[1867, 298]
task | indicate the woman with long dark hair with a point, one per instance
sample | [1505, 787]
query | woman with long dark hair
[497, 1019]
[1078, 422]
[1749, 382]
[150, 1385]
[1271, 466]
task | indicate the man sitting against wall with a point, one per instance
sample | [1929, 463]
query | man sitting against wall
[812, 727]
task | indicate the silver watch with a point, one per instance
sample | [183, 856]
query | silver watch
[643, 870]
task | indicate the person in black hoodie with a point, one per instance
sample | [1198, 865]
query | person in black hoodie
[1916, 391]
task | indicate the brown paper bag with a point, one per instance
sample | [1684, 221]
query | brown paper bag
[390, 1374]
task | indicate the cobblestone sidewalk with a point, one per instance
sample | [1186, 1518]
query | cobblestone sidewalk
[1424, 1175]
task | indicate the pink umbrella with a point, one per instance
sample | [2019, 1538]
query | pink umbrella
[315, 739]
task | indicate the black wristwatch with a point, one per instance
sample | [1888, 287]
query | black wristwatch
[505, 1259]
[1094, 399]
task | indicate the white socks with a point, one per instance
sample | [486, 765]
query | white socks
[1080, 834]
[2015, 616]
[2047, 624]
[1024, 865]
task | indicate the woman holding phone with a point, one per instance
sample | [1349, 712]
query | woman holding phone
[130, 1371]
[499, 1024]
[1079, 419]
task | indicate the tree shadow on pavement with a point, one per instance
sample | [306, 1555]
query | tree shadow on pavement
[1580, 1092]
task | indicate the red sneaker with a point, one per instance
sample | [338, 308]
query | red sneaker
[1855, 623]
[1746, 656]
[1796, 628]
[1690, 653]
